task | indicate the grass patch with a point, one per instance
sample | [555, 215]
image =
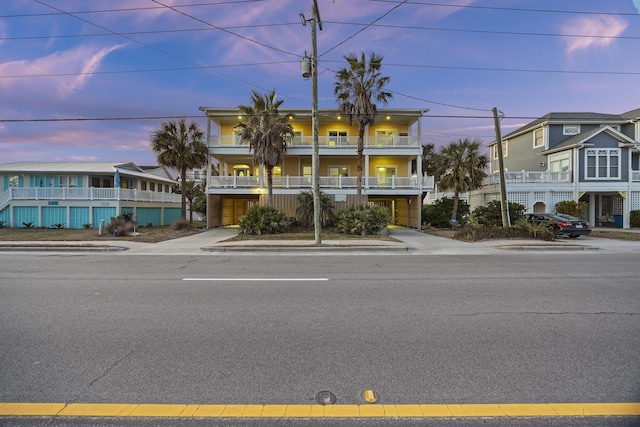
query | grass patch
[616, 234]
[308, 233]
[145, 234]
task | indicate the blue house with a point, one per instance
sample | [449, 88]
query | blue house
[77, 195]
[588, 157]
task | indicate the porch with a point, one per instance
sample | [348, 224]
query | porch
[425, 183]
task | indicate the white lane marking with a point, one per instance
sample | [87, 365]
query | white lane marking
[254, 279]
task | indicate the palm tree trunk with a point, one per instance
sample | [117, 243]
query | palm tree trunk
[456, 197]
[183, 196]
[360, 156]
[269, 186]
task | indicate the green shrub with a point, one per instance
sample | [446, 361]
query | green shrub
[57, 226]
[28, 224]
[304, 211]
[87, 225]
[2, 224]
[634, 219]
[491, 214]
[571, 207]
[263, 220]
[438, 214]
[522, 230]
[369, 220]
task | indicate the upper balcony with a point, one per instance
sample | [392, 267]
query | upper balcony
[85, 194]
[340, 142]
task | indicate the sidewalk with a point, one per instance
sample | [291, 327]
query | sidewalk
[409, 241]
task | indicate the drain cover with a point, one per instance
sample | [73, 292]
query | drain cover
[326, 398]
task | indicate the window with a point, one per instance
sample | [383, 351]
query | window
[152, 186]
[14, 181]
[338, 171]
[68, 181]
[337, 137]
[570, 129]
[143, 185]
[385, 137]
[538, 138]
[505, 149]
[603, 163]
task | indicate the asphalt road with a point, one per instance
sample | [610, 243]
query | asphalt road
[559, 327]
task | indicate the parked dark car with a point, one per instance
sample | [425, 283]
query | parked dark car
[562, 224]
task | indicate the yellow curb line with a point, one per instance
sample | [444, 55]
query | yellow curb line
[18, 409]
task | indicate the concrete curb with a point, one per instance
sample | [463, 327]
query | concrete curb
[546, 248]
[62, 248]
[313, 249]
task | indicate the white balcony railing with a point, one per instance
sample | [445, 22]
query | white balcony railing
[65, 193]
[531, 177]
[344, 142]
[346, 182]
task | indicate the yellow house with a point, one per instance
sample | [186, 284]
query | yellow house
[391, 165]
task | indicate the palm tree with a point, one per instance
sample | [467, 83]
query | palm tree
[357, 89]
[266, 131]
[461, 168]
[180, 147]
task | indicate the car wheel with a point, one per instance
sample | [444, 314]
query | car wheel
[574, 236]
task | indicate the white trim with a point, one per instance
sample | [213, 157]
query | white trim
[598, 153]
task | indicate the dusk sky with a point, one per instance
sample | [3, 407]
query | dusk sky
[63, 62]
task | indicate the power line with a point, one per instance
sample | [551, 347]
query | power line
[155, 48]
[459, 6]
[509, 33]
[138, 33]
[362, 29]
[132, 9]
[225, 30]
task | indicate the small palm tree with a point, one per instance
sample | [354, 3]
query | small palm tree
[267, 132]
[304, 211]
[357, 89]
[461, 168]
[180, 146]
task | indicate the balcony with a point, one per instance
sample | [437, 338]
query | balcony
[326, 182]
[70, 193]
[532, 177]
[339, 142]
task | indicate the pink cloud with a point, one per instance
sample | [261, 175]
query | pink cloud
[83, 59]
[594, 29]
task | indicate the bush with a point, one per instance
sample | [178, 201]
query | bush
[522, 230]
[491, 214]
[87, 225]
[28, 224]
[571, 207]
[1, 224]
[180, 224]
[634, 219]
[118, 226]
[263, 220]
[57, 226]
[439, 214]
[370, 220]
[304, 211]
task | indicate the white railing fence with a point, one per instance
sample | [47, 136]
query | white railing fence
[414, 182]
[350, 142]
[526, 177]
[66, 193]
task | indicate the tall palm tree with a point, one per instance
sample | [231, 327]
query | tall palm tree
[357, 89]
[180, 146]
[266, 131]
[461, 168]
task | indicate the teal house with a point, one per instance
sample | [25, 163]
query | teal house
[79, 195]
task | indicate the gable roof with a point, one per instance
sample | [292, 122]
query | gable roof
[581, 140]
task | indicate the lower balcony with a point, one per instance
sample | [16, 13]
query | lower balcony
[531, 177]
[425, 183]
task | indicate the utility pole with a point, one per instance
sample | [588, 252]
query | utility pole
[504, 204]
[315, 159]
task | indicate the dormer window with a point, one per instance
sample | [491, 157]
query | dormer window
[570, 129]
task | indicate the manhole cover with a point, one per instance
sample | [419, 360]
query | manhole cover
[326, 398]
